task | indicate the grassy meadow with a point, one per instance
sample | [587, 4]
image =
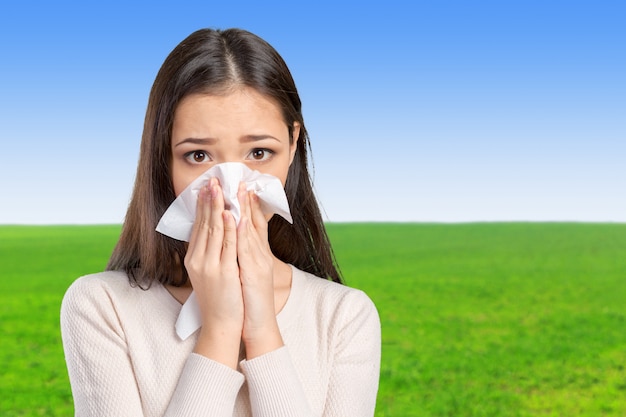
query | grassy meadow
[484, 319]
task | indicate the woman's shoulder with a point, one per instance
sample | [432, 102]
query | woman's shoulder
[107, 281]
[335, 309]
[326, 287]
[102, 288]
[330, 295]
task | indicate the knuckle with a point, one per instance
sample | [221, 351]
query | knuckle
[204, 223]
[215, 230]
[229, 243]
[192, 265]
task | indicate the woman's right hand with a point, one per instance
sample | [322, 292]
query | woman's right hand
[211, 263]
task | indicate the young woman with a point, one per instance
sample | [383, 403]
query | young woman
[280, 334]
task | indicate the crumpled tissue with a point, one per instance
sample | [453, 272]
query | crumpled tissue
[178, 219]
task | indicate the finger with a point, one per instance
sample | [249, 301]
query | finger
[229, 246]
[244, 202]
[255, 262]
[215, 225]
[258, 217]
[243, 245]
[246, 225]
[247, 211]
[199, 221]
[251, 251]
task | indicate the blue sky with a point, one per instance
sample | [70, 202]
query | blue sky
[447, 111]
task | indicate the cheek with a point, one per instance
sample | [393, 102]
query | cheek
[180, 179]
[281, 172]
[283, 178]
[178, 188]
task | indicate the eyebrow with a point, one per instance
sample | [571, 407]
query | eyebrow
[255, 138]
[211, 141]
[197, 141]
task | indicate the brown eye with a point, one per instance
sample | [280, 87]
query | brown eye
[258, 154]
[199, 156]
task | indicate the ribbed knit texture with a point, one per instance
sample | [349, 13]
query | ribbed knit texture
[125, 359]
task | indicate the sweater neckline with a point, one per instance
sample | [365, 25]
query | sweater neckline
[171, 302]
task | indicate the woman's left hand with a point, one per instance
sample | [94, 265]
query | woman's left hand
[256, 271]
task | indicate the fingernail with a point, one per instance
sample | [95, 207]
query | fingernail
[214, 191]
[204, 193]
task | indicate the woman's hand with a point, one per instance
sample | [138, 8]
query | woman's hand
[211, 263]
[260, 332]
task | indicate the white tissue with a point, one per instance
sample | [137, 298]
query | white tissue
[177, 221]
[189, 318]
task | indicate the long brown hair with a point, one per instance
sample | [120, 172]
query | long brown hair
[212, 61]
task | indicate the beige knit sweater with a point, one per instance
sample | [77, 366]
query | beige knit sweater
[125, 359]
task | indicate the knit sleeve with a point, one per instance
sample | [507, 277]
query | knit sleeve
[101, 376]
[356, 366]
[205, 388]
[101, 373]
[275, 390]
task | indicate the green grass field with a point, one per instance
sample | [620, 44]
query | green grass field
[493, 319]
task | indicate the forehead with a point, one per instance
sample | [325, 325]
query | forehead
[234, 103]
[240, 111]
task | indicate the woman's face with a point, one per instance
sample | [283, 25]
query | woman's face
[240, 126]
